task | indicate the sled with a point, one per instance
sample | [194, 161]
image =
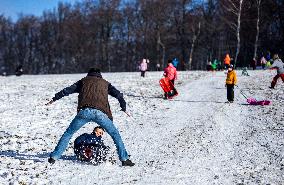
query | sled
[93, 154]
[253, 101]
[168, 88]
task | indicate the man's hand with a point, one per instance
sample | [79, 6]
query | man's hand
[49, 103]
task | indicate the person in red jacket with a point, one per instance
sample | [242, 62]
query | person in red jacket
[171, 73]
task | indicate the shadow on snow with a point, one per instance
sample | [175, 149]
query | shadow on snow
[40, 157]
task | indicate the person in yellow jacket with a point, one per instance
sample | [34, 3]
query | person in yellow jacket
[231, 81]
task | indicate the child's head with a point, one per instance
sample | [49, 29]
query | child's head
[275, 56]
[231, 67]
[98, 131]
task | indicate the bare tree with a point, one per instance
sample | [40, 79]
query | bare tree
[196, 32]
[107, 12]
[234, 7]
[258, 2]
[7, 57]
[114, 34]
[159, 16]
[160, 44]
[181, 13]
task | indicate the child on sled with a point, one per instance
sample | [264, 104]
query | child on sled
[90, 147]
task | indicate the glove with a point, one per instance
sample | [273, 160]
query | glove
[49, 103]
[123, 109]
[225, 85]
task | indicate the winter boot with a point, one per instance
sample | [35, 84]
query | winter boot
[127, 163]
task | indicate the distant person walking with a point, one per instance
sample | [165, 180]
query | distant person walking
[143, 67]
[19, 70]
[227, 61]
[253, 63]
[278, 64]
[93, 105]
[209, 66]
[158, 67]
[268, 56]
[263, 62]
[175, 62]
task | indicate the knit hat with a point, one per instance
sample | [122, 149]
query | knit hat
[94, 72]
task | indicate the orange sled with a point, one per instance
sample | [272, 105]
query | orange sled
[168, 88]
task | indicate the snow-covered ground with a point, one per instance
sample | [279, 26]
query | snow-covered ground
[195, 138]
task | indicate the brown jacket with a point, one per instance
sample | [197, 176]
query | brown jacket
[94, 94]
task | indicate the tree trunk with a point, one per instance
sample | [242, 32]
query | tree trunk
[159, 43]
[257, 28]
[192, 46]
[238, 33]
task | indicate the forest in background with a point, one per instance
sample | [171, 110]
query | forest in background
[115, 35]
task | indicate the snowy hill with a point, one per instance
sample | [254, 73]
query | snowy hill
[195, 138]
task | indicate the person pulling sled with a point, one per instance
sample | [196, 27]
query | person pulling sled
[170, 74]
[231, 81]
[279, 65]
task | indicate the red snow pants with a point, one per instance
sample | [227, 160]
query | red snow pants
[273, 83]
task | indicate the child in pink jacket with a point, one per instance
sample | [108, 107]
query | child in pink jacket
[143, 67]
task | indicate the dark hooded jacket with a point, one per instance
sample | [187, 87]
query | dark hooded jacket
[88, 140]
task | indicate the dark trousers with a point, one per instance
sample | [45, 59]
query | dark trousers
[230, 92]
[143, 73]
[273, 83]
[174, 92]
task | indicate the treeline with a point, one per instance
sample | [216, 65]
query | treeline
[114, 35]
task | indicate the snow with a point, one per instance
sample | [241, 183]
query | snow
[195, 138]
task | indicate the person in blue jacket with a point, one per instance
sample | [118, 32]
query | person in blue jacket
[175, 62]
[90, 147]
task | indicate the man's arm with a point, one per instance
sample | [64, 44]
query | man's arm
[165, 72]
[235, 78]
[66, 92]
[274, 65]
[118, 95]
